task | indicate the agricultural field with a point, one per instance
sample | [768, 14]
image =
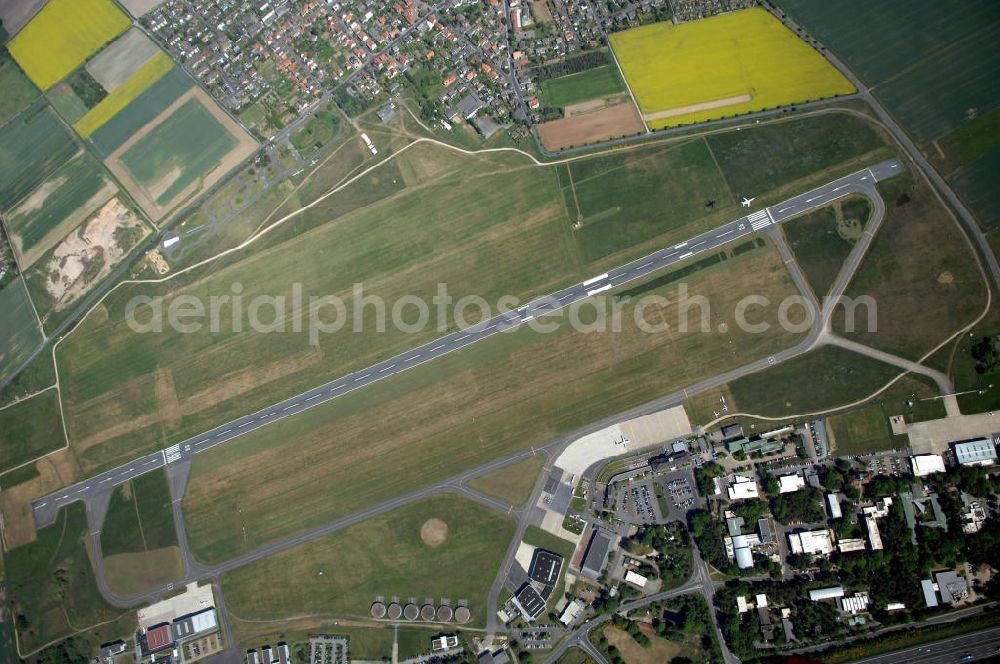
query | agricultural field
[157, 389]
[443, 546]
[721, 66]
[32, 145]
[54, 605]
[19, 334]
[122, 58]
[846, 377]
[29, 429]
[188, 148]
[930, 63]
[583, 127]
[513, 483]
[596, 83]
[14, 14]
[63, 35]
[138, 538]
[18, 91]
[505, 393]
[141, 111]
[82, 258]
[122, 95]
[58, 206]
[822, 240]
[921, 272]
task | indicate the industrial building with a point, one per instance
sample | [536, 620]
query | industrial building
[596, 557]
[819, 594]
[814, 542]
[927, 464]
[529, 602]
[791, 483]
[743, 488]
[979, 452]
[544, 568]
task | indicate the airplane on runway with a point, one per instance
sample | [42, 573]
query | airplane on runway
[747, 201]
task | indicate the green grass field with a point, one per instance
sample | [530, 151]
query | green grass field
[138, 538]
[341, 574]
[866, 430]
[596, 83]
[823, 239]
[808, 147]
[575, 656]
[190, 141]
[920, 272]
[403, 229]
[140, 111]
[18, 91]
[139, 517]
[32, 145]
[39, 374]
[822, 379]
[69, 195]
[29, 429]
[51, 584]
[928, 62]
[513, 483]
[622, 199]
[66, 102]
[471, 406]
[317, 132]
[19, 334]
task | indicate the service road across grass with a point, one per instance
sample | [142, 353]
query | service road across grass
[822, 240]
[920, 271]
[388, 555]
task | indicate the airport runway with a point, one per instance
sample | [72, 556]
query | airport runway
[46, 509]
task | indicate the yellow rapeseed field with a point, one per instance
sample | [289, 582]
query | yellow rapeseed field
[721, 66]
[136, 84]
[63, 35]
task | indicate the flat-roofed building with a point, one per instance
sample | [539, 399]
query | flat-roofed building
[930, 593]
[790, 483]
[444, 642]
[743, 489]
[854, 604]
[636, 579]
[851, 544]
[833, 503]
[572, 612]
[874, 537]
[819, 594]
[529, 602]
[544, 567]
[927, 464]
[979, 452]
[814, 542]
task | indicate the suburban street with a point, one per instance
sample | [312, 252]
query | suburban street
[45, 509]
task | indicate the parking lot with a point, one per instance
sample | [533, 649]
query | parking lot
[637, 504]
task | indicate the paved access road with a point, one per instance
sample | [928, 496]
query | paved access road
[46, 509]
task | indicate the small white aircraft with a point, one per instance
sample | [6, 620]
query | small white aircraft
[747, 201]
